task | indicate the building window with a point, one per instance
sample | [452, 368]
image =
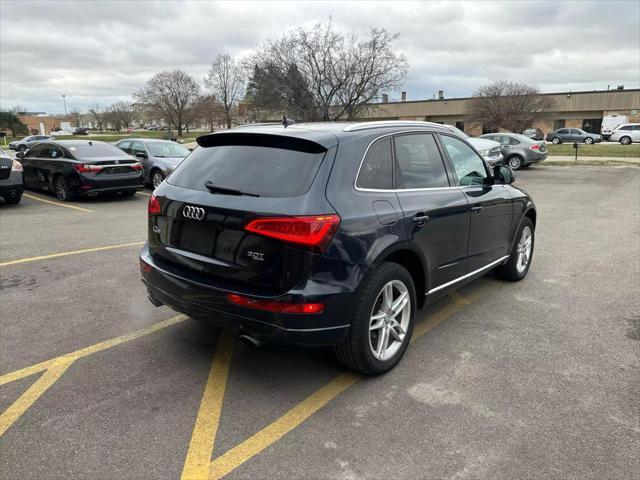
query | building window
[558, 124]
[592, 125]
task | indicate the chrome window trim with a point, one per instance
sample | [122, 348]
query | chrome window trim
[470, 274]
[394, 190]
[356, 127]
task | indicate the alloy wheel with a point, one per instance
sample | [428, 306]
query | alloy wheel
[157, 178]
[61, 189]
[588, 140]
[515, 162]
[555, 140]
[390, 319]
[524, 249]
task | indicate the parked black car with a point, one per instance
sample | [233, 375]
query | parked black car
[573, 135]
[10, 179]
[331, 234]
[81, 131]
[72, 168]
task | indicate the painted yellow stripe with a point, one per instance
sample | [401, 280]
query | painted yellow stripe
[198, 459]
[32, 394]
[84, 352]
[458, 298]
[235, 457]
[144, 193]
[57, 204]
[290, 420]
[73, 252]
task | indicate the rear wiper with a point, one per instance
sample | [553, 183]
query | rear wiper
[226, 191]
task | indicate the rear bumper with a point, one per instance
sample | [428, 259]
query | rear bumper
[203, 302]
[10, 191]
[93, 186]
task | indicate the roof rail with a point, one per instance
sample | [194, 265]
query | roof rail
[258, 124]
[388, 123]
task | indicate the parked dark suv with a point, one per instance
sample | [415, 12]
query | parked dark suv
[331, 234]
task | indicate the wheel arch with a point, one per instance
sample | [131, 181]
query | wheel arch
[413, 262]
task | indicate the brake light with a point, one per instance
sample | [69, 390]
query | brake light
[535, 147]
[136, 166]
[277, 307]
[86, 168]
[154, 206]
[16, 166]
[311, 231]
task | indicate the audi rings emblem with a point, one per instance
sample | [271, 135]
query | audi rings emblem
[194, 213]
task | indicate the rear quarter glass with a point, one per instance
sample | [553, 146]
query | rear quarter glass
[259, 170]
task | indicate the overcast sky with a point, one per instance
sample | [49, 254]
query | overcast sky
[101, 51]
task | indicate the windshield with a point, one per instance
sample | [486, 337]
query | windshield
[167, 149]
[94, 151]
[264, 171]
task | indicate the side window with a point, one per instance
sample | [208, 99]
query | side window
[124, 146]
[627, 127]
[136, 148]
[34, 151]
[575, 131]
[376, 170]
[512, 141]
[55, 152]
[563, 131]
[469, 167]
[419, 164]
[636, 127]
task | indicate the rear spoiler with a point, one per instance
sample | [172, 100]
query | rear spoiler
[260, 140]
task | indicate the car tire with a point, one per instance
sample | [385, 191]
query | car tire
[22, 148]
[556, 140]
[156, 177]
[374, 351]
[588, 140]
[516, 162]
[625, 140]
[13, 200]
[61, 189]
[516, 268]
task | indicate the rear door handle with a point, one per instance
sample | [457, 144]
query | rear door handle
[476, 208]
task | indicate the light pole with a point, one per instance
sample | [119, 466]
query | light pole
[64, 100]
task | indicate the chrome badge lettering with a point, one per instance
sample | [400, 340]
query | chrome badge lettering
[258, 256]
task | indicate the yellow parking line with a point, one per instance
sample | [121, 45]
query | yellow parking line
[84, 352]
[57, 204]
[196, 465]
[458, 298]
[144, 193]
[239, 454]
[73, 252]
[32, 394]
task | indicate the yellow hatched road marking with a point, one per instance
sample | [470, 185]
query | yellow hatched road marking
[32, 394]
[57, 204]
[84, 352]
[73, 252]
[196, 465]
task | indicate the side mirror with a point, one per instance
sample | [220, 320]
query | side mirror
[504, 174]
[19, 154]
[141, 155]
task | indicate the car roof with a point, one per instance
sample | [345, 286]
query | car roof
[75, 143]
[324, 133]
[144, 140]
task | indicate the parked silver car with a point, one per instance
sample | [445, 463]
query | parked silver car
[491, 151]
[626, 134]
[518, 150]
[10, 178]
[158, 157]
[573, 135]
[27, 142]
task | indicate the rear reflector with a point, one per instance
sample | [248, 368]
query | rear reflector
[313, 231]
[154, 206]
[271, 306]
[84, 168]
[145, 267]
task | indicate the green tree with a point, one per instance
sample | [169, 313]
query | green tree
[9, 120]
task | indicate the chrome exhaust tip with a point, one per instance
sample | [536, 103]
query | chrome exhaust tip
[250, 340]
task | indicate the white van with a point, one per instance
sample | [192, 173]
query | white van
[610, 122]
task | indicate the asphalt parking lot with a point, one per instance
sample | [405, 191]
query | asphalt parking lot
[537, 379]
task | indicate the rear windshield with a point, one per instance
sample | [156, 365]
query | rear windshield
[264, 171]
[94, 151]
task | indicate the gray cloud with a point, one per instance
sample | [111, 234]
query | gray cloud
[101, 51]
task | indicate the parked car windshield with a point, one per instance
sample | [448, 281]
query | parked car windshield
[167, 149]
[94, 151]
[264, 171]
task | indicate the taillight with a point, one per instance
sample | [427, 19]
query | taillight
[86, 168]
[136, 166]
[154, 206]
[16, 166]
[145, 267]
[535, 147]
[312, 231]
[271, 306]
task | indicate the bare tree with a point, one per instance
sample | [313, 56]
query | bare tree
[332, 74]
[509, 105]
[210, 111]
[99, 116]
[123, 113]
[75, 116]
[170, 95]
[226, 81]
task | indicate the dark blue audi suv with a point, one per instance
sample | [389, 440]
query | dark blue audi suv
[331, 234]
